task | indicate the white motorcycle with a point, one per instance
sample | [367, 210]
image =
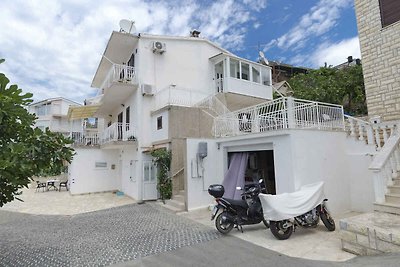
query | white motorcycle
[302, 208]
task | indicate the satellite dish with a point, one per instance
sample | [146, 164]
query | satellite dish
[262, 58]
[127, 26]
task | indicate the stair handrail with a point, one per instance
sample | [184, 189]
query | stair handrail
[386, 166]
[363, 126]
[180, 170]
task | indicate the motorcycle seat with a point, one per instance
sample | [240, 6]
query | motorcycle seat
[240, 203]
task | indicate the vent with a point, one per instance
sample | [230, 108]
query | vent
[147, 89]
[159, 47]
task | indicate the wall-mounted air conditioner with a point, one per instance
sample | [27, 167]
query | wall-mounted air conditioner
[159, 47]
[147, 89]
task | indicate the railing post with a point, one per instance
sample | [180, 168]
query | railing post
[360, 132]
[318, 118]
[377, 138]
[379, 187]
[291, 113]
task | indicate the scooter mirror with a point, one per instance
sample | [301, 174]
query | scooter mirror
[260, 181]
[238, 188]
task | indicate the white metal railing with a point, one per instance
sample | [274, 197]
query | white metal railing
[213, 104]
[120, 73]
[85, 139]
[386, 166]
[282, 113]
[372, 133]
[118, 132]
[176, 96]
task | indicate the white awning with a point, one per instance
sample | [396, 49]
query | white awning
[82, 112]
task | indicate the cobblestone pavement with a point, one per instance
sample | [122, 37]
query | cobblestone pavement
[95, 239]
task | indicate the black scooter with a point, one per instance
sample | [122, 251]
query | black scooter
[236, 213]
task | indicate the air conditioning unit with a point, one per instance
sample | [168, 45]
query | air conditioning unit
[159, 47]
[147, 89]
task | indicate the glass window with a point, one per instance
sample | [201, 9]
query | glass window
[390, 11]
[265, 76]
[159, 123]
[234, 68]
[256, 74]
[245, 71]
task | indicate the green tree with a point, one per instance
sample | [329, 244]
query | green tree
[162, 158]
[25, 151]
[338, 86]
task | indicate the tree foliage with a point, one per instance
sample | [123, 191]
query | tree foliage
[338, 86]
[25, 151]
[162, 158]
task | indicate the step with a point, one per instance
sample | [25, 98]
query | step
[396, 181]
[177, 204]
[387, 208]
[172, 208]
[179, 198]
[394, 189]
[392, 198]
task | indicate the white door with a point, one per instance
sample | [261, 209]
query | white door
[149, 181]
[219, 77]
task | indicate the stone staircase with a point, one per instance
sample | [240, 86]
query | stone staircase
[392, 199]
[177, 203]
[379, 231]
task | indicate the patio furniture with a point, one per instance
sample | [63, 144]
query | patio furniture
[52, 184]
[63, 184]
[40, 185]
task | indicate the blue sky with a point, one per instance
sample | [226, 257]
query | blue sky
[52, 48]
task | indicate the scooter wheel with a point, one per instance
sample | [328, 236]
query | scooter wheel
[279, 231]
[328, 220]
[222, 226]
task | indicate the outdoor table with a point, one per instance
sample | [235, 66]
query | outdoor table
[52, 184]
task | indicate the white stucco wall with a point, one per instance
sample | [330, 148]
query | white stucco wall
[84, 177]
[300, 157]
[159, 134]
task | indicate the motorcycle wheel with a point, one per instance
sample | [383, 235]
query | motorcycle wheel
[266, 223]
[279, 231]
[327, 220]
[223, 228]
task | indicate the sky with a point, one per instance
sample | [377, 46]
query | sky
[53, 48]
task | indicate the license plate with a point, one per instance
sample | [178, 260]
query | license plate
[214, 212]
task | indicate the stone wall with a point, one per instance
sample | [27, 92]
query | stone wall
[380, 52]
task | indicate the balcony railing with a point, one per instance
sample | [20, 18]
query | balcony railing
[283, 113]
[176, 96]
[120, 73]
[116, 132]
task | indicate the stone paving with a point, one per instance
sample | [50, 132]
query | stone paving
[97, 238]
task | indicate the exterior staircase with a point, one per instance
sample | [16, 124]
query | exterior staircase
[177, 203]
[377, 232]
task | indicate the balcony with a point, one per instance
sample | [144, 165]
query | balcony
[176, 96]
[119, 83]
[117, 132]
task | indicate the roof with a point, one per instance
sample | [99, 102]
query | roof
[54, 99]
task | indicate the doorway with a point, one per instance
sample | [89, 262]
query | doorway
[219, 77]
[260, 165]
[149, 180]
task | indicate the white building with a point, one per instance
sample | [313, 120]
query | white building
[52, 113]
[178, 92]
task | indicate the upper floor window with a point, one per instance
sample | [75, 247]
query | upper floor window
[159, 123]
[390, 11]
[43, 110]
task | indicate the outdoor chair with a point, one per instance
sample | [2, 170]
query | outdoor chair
[40, 185]
[63, 184]
[51, 184]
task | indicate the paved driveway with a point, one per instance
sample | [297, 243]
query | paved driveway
[95, 239]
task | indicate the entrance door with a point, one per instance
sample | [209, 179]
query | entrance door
[119, 126]
[149, 180]
[219, 77]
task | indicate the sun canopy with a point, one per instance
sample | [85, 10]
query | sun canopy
[82, 112]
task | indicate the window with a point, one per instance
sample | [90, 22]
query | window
[234, 68]
[245, 71]
[159, 123]
[100, 165]
[390, 11]
[265, 76]
[256, 74]
[127, 117]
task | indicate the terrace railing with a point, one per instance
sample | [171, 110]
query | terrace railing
[118, 132]
[176, 96]
[282, 113]
[120, 73]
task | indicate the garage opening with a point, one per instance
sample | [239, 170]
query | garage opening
[260, 165]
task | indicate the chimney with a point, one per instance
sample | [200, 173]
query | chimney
[194, 33]
[349, 59]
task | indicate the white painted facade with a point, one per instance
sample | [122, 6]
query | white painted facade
[300, 156]
[52, 114]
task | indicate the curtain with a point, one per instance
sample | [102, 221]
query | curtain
[235, 175]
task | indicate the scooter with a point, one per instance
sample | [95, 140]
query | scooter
[303, 209]
[236, 213]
